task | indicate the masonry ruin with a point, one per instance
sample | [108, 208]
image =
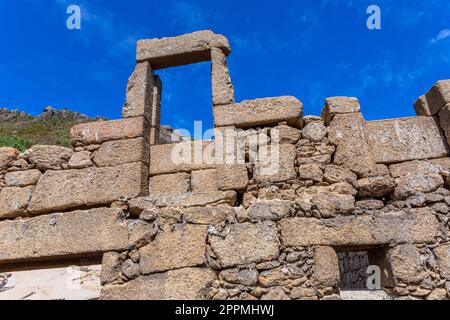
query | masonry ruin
[344, 193]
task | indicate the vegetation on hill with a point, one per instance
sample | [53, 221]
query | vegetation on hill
[52, 127]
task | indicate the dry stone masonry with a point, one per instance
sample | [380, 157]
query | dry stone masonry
[278, 206]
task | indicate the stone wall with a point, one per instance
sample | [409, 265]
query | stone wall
[260, 212]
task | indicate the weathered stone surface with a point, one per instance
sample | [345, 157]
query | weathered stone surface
[335, 174]
[310, 172]
[277, 164]
[405, 139]
[405, 264]
[438, 96]
[48, 157]
[337, 105]
[328, 204]
[326, 267]
[58, 235]
[287, 134]
[182, 284]
[113, 153]
[22, 178]
[314, 131]
[270, 210]
[437, 294]
[444, 120]
[442, 254]
[421, 106]
[245, 243]
[232, 177]
[259, 112]
[176, 249]
[204, 180]
[139, 96]
[425, 167]
[80, 160]
[347, 132]
[110, 267]
[61, 190]
[375, 186]
[7, 155]
[14, 201]
[378, 229]
[208, 215]
[190, 199]
[280, 276]
[170, 183]
[181, 50]
[246, 277]
[182, 157]
[102, 131]
[222, 88]
[415, 183]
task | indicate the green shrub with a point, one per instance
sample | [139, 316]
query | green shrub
[15, 142]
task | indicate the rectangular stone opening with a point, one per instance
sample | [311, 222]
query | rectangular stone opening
[186, 102]
[356, 267]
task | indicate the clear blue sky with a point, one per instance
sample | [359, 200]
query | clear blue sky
[311, 49]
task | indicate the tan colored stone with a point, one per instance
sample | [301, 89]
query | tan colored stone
[208, 215]
[22, 178]
[7, 156]
[437, 294]
[339, 105]
[232, 177]
[286, 134]
[185, 247]
[260, 112]
[421, 106]
[58, 235]
[80, 160]
[14, 201]
[110, 267]
[182, 284]
[181, 157]
[222, 88]
[347, 132]
[113, 153]
[270, 210]
[181, 50]
[310, 172]
[139, 96]
[280, 276]
[438, 96]
[405, 264]
[415, 183]
[170, 183]
[326, 267]
[155, 118]
[102, 131]
[276, 163]
[48, 157]
[245, 243]
[301, 293]
[61, 190]
[425, 167]
[189, 199]
[204, 180]
[444, 120]
[314, 131]
[377, 229]
[405, 139]
[442, 254]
